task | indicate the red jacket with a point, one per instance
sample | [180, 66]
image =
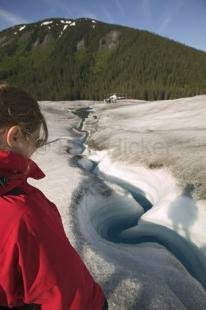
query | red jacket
[37, 262]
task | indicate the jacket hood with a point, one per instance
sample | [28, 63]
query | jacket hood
[15, 169]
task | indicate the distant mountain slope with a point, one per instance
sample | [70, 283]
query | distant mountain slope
[62, 59]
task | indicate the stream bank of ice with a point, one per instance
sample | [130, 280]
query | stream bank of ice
[172, 207]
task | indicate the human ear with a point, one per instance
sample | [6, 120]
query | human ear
[14, 136]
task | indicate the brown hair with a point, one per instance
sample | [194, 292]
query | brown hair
[17, 107]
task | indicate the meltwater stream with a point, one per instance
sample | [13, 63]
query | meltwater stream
[119, 223]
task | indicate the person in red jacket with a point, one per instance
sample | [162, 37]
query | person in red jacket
[38, 265]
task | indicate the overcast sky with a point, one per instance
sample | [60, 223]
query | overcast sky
[181, 20]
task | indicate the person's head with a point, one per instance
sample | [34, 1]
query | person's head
[22, 126]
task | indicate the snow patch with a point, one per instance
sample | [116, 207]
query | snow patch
[73, 24]
[94, 21]
[47, 23]
[21, 28]
[66, 21]
[65, 27]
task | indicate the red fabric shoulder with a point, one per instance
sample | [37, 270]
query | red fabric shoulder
[39, 265]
